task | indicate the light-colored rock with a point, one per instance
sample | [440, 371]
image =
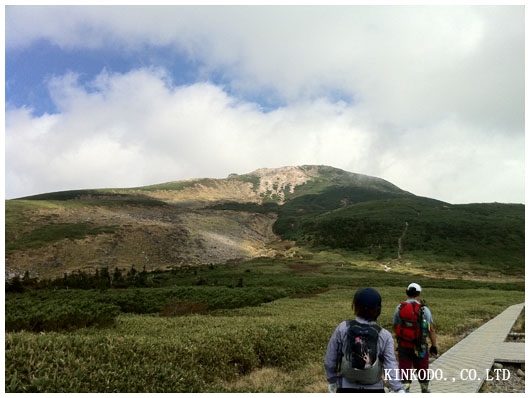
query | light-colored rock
[275, 181]
[497, 365]
[520, 373]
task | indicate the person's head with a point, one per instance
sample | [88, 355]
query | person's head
[413, 290]
[367, 303]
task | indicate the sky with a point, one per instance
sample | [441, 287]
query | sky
[430, 98]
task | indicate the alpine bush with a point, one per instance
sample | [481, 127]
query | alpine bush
[56, 315]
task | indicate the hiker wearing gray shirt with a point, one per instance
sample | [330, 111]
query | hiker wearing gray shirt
[360, 352]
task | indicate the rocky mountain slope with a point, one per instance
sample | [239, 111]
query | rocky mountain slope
[242, 216]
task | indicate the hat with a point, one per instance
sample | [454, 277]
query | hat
[414, 286]
[367, 297]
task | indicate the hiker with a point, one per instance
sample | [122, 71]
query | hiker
[360, 350]
[412, 324]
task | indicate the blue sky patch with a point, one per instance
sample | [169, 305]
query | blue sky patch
[28, 70]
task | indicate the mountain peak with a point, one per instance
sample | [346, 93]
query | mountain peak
[310, 170]
[274, 182]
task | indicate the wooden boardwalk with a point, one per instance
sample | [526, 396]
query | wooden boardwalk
[466, 365]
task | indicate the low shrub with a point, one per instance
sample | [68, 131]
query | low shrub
[197, 353]
[56, 315]
[55, 310]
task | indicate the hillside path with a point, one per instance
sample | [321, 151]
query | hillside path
[477, 351]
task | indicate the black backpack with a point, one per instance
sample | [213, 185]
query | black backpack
[360, 361]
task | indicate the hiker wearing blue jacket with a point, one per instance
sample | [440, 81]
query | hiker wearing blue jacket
[360, 351]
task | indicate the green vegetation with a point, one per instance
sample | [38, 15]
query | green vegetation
[253, 179]
[330, 177]
[47, 233]
[335, 197]
[53, 313]
[16, 218]
[67, 309]
[30, 303]
[519, 326]
[365, 215]
[211, 328]
[101, 197]
[175, 186]
[267, 207]
[335, 210]
[36, 223]
[491, 236]
[152, 347]
[68, 195]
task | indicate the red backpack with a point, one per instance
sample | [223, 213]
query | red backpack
[409, 332]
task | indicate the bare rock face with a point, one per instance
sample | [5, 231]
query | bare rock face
[274, 182]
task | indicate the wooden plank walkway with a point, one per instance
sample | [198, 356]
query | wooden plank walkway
[474, 355]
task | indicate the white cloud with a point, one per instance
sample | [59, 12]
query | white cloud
[403, 64]
[438, 96]
[457, 163]
[137, 129]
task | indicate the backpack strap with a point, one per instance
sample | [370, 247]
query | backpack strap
[398, 328]
[340, 349]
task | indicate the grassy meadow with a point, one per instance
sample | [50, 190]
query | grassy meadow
[261, 326]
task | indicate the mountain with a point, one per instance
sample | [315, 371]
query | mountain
[244, 216]
[260, 186]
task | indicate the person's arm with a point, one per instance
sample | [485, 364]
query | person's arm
[432, 335]
[390, 365]
[333, 356]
